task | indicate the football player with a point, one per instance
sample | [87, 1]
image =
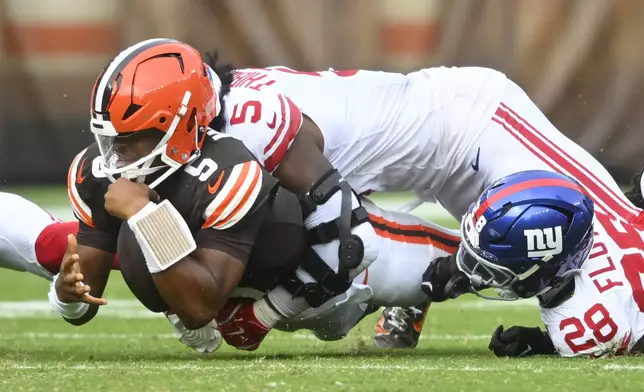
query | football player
[408, 245]
[32, 240]
[197, 201]
[444, 133]
[539, 234]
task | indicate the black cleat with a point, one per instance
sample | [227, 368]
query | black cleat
[400, 327]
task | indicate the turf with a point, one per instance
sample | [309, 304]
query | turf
[126, 347]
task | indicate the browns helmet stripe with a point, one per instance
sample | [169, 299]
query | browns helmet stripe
[102, 90]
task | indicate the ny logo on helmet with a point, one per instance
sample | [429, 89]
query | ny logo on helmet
[543, 242]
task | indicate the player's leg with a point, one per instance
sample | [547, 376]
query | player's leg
[51, 244]
[21, 225]
[333, 323]
[518, 122]
[409, 244]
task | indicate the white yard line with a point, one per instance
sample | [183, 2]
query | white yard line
[134, 336]
[133, 309]
[260, 365]
[614, 366]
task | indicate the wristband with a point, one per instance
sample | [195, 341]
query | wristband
[71, 310]
[162, 234]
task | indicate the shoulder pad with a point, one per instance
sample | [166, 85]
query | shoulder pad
[83, 178]
[233, 192]
[230, 182]
[266, 120]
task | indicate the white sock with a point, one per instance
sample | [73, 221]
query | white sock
[265, 314]
[284, 302]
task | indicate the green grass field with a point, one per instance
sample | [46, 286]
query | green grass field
[127, 347]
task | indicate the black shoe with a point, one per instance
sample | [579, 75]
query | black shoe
[400, 327]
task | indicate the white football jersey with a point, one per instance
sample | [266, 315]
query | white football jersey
[605, 315]
[266, 121]
[444, 133]
[382, 131]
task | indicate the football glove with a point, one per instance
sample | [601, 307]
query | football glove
[204, 340]
[521, 342]
[443, 280]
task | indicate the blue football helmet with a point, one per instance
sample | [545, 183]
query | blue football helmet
[526, 234]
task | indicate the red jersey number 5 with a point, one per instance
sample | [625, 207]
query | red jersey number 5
[248, 112]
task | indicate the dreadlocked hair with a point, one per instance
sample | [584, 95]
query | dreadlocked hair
[225, 74]
[634, 194]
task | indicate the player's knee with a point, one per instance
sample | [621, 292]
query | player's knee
[195, 315]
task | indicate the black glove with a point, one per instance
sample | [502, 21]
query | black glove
[443, 280]
[521, 342]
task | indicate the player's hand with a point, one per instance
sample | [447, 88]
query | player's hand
[443, 280]
[124, 198]
[520, 342]
[69, 285]
[239, 326]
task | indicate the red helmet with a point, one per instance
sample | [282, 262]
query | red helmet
[158, 84]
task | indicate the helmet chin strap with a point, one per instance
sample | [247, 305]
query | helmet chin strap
[502, 295]
[552, 291]
[173, 166]
[171, 169]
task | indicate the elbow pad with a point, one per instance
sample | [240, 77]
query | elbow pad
[332, 211]
[343, 242]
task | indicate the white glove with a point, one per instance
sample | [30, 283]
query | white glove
[206, 339]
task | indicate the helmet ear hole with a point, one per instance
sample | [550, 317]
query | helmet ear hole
[506, 207]
[192, 120]
[133, 108]
[569, 217]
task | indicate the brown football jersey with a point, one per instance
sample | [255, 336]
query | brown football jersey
[229, 201]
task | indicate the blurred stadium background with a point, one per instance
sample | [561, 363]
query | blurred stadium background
[581, 61]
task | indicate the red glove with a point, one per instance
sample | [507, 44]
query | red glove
[239, 326]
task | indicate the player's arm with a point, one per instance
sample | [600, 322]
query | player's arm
[77, 290]
[81, 282]
[198, 285]
[291, 146]
[195, 274]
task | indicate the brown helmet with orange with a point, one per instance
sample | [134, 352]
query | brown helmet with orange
[159, 85]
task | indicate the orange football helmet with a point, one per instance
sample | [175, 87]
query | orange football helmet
[158, 84]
